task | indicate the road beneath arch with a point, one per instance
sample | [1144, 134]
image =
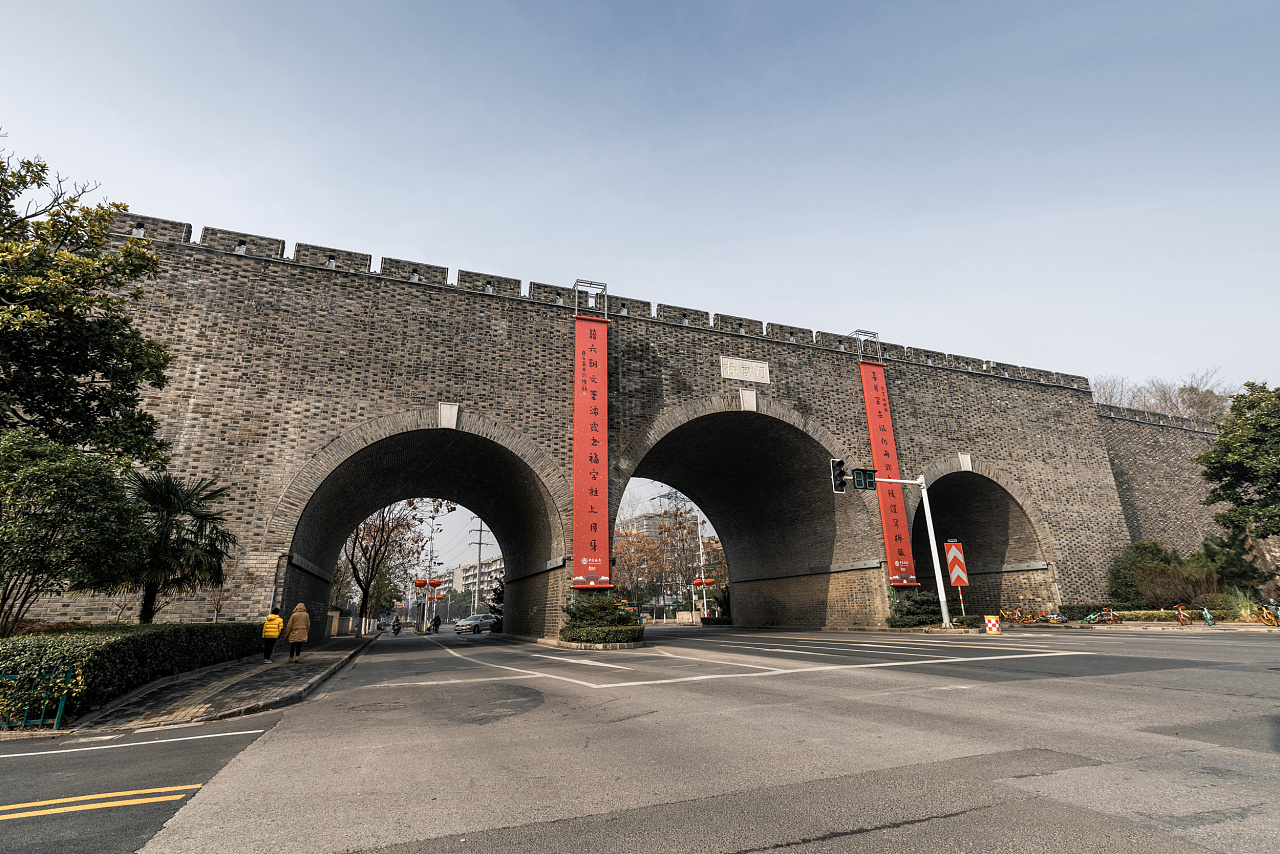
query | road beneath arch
[734, 741]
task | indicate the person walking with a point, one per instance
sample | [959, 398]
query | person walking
[270, 631]
[297, 629]
[435, 624]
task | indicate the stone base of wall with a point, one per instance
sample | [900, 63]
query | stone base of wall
[836, 600]
[988, 592]
[532, 605]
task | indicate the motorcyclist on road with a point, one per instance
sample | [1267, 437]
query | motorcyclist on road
[395, 626]
[435, 624]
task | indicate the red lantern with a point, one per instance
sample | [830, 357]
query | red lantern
[419, 583]
[435, 582]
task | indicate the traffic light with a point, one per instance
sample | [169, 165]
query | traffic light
[837, 476]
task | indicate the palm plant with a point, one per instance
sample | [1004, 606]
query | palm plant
[187, 538]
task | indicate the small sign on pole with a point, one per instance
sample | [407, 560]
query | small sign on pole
[955, 564]
[957, 570]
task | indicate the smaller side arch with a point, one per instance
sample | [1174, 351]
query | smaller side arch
[950, 464]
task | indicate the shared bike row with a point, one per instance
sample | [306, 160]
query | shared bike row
[1107, 616]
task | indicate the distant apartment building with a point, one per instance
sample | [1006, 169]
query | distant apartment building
[646, 524]
[464, 577]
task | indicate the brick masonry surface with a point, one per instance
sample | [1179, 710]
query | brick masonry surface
[320, 391]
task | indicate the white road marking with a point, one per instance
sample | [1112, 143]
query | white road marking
[580, 661]
[826, 667]
[802, 650]
[437, 682]
[131, 744]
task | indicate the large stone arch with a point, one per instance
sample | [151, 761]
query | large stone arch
[1012, 554]
[797, 553]
[483, 464]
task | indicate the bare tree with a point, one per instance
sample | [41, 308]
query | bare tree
[388, 538]
[1199, 394]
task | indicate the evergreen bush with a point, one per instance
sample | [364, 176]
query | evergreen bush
[599, 616]
[110, 661]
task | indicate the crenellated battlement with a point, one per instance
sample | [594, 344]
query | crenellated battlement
[241, 243]
[1195, 425]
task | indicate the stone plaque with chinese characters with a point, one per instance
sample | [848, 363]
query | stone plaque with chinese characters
[591, 454]
[744, 369]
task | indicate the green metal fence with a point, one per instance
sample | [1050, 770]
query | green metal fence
[45, 696]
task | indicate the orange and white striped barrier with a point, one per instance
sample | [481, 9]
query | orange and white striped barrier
[993, 624]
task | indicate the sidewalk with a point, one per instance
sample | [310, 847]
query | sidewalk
[232, 689]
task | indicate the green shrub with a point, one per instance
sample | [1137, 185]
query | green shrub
[596, 610]
[602, 634]
[112, 660]
[1079, 612]
[971, 621]
[1143, 558]
[909, 608]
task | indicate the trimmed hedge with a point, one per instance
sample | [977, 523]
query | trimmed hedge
[111, 661]
[1079, 612]
[602, 634]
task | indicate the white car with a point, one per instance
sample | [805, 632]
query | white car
[475, 624]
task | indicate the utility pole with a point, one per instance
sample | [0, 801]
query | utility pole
[479, 544]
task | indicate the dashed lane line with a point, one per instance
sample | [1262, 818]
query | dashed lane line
[130, 744]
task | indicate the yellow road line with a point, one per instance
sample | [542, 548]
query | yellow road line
[78, 807]
[97, 797]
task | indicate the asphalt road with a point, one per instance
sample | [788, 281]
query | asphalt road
[112, 793]
[726, 741]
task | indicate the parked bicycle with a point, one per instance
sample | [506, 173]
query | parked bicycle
[1106, 615]
[1180, 611]
[1270, 614]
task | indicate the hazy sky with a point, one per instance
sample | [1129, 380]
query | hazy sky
[1079, 186]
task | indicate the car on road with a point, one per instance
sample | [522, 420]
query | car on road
[475, 624]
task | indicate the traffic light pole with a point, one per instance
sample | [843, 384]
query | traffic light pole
[933, 542]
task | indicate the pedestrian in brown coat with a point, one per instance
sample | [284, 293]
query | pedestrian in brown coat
[297, 628]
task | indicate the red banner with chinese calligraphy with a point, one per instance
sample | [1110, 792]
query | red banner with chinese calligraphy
[884, 452]
[590, 454]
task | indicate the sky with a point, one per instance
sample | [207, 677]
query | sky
[1085, 187]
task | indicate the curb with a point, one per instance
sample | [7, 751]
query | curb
[163, 681]
[556, 642]
[297, 696]
[287, 700]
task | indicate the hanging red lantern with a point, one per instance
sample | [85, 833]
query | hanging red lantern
[435, 582]
[419, 583]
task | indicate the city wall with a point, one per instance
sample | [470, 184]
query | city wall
[320, 391]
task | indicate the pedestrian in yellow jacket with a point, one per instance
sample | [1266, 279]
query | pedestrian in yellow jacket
[297, 629]
[270, 631]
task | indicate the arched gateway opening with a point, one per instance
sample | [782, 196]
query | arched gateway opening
[796, 553]
[480, 472]
[1002, 548]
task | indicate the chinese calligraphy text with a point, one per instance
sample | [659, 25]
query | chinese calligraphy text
[884, 453]
[590, 453]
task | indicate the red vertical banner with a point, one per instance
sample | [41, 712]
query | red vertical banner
[884, 453]
[591, 453]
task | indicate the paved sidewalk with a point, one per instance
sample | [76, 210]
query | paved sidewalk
[234, 689]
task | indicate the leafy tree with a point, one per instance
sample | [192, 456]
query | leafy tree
[63, 513]
[186, 541]
[72, 365]
[1244, 463]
